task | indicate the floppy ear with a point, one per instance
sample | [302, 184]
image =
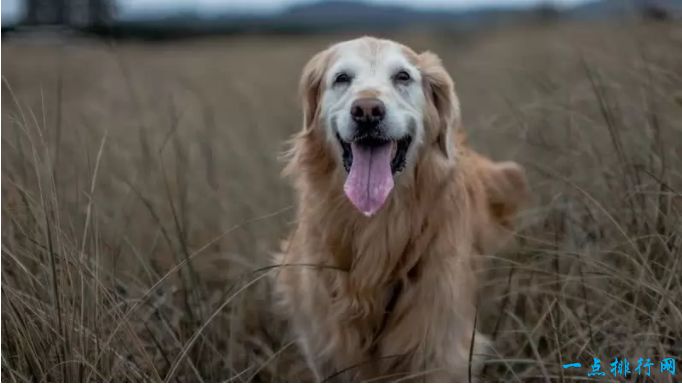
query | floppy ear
[440, 93]
[311, 87]
[507, 190]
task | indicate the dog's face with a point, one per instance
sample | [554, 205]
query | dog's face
[379, 104]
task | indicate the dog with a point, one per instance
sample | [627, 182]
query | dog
[395, 213]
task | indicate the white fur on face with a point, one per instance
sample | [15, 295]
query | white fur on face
[372, 68]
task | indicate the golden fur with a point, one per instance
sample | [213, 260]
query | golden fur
[393, 296]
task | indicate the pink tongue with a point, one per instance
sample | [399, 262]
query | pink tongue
[370, 179]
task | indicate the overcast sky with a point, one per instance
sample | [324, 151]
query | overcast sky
[12, 9]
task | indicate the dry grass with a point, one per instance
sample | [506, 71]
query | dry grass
[141, 198]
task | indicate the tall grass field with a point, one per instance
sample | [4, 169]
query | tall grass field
[142, 200]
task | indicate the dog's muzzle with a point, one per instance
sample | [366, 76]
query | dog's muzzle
[371, 157]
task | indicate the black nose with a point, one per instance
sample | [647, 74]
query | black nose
[368, 110]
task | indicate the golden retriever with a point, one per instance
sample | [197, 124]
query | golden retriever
[394, 212]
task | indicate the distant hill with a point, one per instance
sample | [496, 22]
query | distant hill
[605, 9]
[332, 15]
[350, 14]
[360, 16]
[357, 14]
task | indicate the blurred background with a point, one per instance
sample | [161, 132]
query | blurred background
[164, 18]
[142, 197]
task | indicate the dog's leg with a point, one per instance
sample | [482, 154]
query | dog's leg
[310, 359]
[481, 352]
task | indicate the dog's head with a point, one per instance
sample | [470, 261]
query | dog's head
[379, 104]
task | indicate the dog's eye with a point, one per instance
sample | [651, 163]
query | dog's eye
[402, 77]
[342, 78]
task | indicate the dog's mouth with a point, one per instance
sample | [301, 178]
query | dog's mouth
[399, 147]
[371, 163]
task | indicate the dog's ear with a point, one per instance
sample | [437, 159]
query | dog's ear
[444, 105]
[311, 87]
[507, 190]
